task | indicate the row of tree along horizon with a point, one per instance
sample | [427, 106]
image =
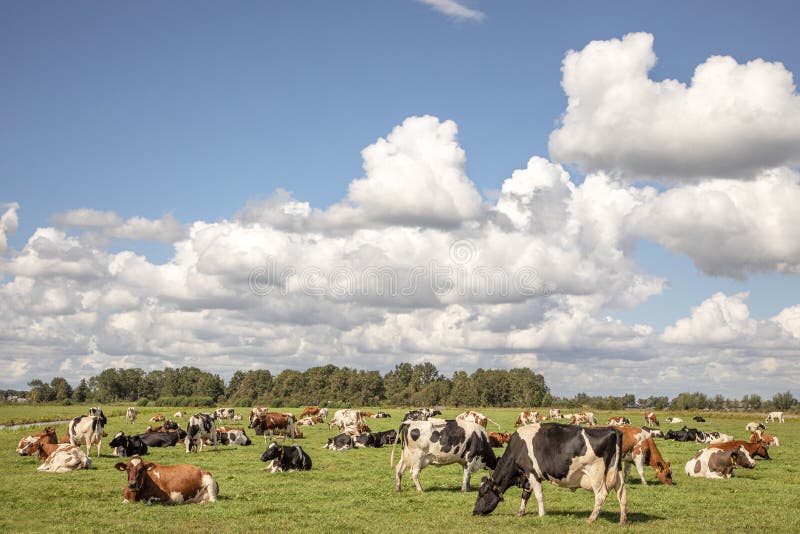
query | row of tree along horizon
[406, 385]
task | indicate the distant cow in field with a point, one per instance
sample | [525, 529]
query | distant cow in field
[157, 418]
[161, 439]
[527, 418]
[309, 411]
[167, 484]
[698, 419]
[64, 459]
[130, 414]
[347, 421]
[179, 415]
[440, 442]
[768, 439]
[650, 418]
[555, 413]
[718, 463]
[223, 413]
[381, 415]
[618, 421]
[422, 414]
[286, 458]
[233, 437]
[566, 455]
[674, 420]
[774, 416]
[583, 418]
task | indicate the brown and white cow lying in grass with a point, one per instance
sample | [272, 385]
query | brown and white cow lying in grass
[48, 435]
[167, 484]
[718, 463]
[59, 458]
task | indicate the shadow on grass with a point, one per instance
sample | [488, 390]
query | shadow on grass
[610, 516]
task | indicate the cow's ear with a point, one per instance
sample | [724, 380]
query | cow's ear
[121, 466]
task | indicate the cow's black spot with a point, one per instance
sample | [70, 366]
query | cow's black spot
[414, 434]
[435, 436]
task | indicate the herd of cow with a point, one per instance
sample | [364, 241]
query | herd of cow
[571, 455]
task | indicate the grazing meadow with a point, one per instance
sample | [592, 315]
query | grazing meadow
[353, 491]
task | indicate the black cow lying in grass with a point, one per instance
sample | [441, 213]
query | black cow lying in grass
[127, 445]
[285, 458]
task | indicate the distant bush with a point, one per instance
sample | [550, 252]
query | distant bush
[142, 402]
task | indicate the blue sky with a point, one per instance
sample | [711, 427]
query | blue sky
[195, 109]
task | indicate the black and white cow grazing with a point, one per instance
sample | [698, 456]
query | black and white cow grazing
[698, 419]
[566, 455]
[439, 442]
[127, 445]
[342, 442]
[161, 439]
[233, 437]
[286, 458]
[200, 427]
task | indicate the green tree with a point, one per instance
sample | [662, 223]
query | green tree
[783, 401]
[61, 388]
[40, 391]
[81, 393]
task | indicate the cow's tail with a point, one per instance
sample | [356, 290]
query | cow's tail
[73, 437]
[615, 466]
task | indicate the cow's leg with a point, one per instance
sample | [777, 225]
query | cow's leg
[627, 469]
[99, 442]
[536, 488]
[639, 460]
[465, 478]
[398, 477]
[415, 471]
[621, 488]
[600, 494]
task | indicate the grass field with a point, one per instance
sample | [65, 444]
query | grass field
[353, 491]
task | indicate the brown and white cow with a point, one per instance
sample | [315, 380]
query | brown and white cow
[760, 435]
[618, 421]
[639, 449]
[526, 418]
[475, 417]
[157, 418]
[758, 448]
[65, 458]
[650, 418]
[718, 463]
[257, 411]
[179, 414]
[167, 484]
[583, 418]
[566, 455]
[309, 411]
[310, 421]
[555, 413]
[271, 423]
[48, 435]
[498, 439]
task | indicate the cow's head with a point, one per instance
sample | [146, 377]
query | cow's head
[743, 459]
[762, 450]
[489, 496]
[137, 472]
[664, 473]
[273, 452]
[119, 440]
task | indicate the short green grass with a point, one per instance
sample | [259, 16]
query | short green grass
[353, 491]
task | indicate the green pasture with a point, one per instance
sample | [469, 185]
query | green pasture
[353, 491]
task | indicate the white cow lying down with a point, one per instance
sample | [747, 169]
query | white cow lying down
[64, 459]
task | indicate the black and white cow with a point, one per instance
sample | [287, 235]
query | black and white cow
[442, 442]
[127, 445]
[161, 439]
[654, 432]
[685, 434]
[200, 427]
[170, 425]
[341, 442]
[699, 419]
[233, 437]
[385, 437]
[566, 455]
[423, 414]
[380, 415]
[367, 439]
[223, 413]
[88, 429]
[286, 458]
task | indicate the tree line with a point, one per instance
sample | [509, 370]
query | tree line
[405, 385]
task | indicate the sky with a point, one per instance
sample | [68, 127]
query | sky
[603, 192]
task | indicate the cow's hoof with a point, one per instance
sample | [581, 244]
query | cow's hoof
[520, 514]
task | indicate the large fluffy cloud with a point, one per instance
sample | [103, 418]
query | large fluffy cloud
[8, 223]
[731, 120]
[167, 229]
